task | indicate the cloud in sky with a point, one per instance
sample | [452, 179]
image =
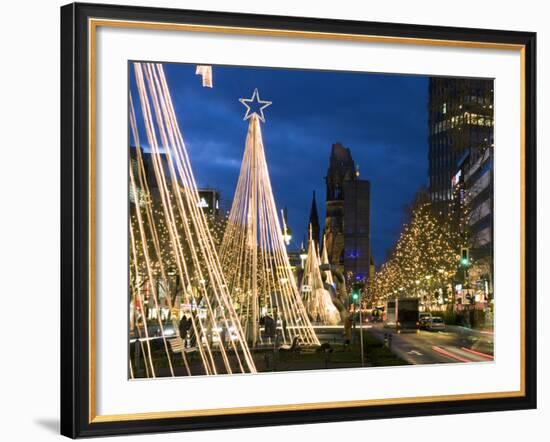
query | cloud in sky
[382, 118]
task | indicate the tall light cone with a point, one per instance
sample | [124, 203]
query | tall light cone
[253, 253]
[317, 299]
[170, 241]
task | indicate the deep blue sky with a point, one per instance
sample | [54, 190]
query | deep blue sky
[381, 118]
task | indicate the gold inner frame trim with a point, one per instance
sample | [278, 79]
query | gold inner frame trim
[93, 24]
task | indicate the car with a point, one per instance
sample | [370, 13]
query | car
[435, 323]
[423, 319]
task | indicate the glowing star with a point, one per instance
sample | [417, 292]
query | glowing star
[255, 106]
[253, 253]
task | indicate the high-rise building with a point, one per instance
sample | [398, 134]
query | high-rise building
[475, 176]
[347, 223]
[460, 119]
[479, 197]
[461, 146]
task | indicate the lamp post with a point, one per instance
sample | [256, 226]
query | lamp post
[361, 336]
[357, 301]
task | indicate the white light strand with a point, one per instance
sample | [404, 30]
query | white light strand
[253, 253]
[316, 298]
[190, 242]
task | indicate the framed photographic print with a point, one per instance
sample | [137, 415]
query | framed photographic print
[279, 220]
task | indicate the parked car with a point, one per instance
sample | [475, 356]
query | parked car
[435, 323]
[423, 319]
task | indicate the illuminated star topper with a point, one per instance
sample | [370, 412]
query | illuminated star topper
[255, 106]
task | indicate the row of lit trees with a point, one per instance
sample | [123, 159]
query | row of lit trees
[425, 257]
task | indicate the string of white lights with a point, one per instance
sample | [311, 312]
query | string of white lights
[137, 298]
[326, 262]
[150, 218]
[253, 252]
[206, 301]
[228, 315]
[317, 299]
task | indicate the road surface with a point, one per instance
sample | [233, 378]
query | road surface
[457, 345]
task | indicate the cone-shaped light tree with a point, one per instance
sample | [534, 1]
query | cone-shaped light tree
[317, 299]
[253, 252]
[325, 261]
[170, 239]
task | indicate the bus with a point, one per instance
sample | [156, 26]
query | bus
[402, 315]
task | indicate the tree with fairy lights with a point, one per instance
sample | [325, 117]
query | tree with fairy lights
[424, 259]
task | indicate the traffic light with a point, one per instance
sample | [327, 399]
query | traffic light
[464, 257]
[355, 295]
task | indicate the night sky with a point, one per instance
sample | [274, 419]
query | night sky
[381, 118]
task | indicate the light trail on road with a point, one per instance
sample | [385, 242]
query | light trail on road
[449, 355]
[483, 355]
[418, 348]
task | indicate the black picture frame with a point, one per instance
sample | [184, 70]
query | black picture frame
[76, 249]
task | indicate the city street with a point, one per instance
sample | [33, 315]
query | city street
[455, 344]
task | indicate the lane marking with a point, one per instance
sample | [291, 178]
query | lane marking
[414, 352]
[449, 355]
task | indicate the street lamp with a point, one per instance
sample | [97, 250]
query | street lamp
[303, 255]
[286, 237]
[286, 231]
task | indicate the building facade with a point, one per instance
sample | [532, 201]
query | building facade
[460, 118]
[208, 198]
[347, 222]
[461, 155]
[478, 182]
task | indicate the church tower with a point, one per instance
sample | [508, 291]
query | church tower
[314, 221]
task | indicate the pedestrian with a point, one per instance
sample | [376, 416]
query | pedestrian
[222, 337]
[183, 327]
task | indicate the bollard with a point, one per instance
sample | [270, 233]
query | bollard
[389, 341]
[385, 339]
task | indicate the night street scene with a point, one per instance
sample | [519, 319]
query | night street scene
[286, 219]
